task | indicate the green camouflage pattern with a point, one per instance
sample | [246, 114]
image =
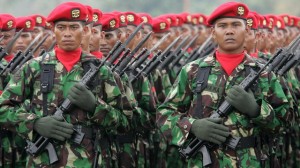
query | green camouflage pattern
[176, 114]
[19, 117]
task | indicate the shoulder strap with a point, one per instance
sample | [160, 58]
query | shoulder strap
[47, 80]
[201, 84]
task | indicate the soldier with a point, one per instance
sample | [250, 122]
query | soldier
[39, 28]
[96, 34]
[8, 31]
[31, 110]
[27, 24]
[182, 117]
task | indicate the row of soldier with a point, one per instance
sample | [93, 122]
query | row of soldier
[138, 58]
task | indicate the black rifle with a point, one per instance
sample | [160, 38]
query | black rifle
[285, 54]
[52, 46]
[173, 54]
[18, 58]
[157, 59]
[4, 51]
[31, 52]
[120, 49]
[45, 143]
[224, 109]
[199, 53]
[182, 52]
[1, 38]
[123, 63]
[139, 60]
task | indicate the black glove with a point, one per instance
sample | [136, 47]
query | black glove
[243, 101]
[82, 97]
[209, 129]
[53, 127]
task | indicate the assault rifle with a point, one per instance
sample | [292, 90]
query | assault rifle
[18, 58]
[34, 148]
[122, 47]
[224, 109]
[173, 54]
[4, 51]
[124, 62]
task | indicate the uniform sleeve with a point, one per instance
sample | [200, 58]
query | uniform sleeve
[172, 118]
[108, 112]
[274, 104]
[14, 112]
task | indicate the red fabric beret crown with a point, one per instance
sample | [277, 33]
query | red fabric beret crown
[69, 11]
[160, 25]
[97, 15]
[110, 22]
[8, 22]
[39, 20]
[229, 9]
[26, 23]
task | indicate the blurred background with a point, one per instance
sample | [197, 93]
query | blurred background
[154, 7]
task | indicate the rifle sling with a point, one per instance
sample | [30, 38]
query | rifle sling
[201, 84]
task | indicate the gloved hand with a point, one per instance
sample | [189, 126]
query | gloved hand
[210, 129]
[82, 97]
[53, 127]
[243, 101]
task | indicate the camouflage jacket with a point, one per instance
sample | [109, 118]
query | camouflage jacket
[176, 114]
[19, 115]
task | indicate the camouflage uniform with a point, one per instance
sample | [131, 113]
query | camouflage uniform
[177, 114]
[20, 117]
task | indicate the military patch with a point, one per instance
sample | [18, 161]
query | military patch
[95, 18]
[201, 20]
[264, 22]
[39, 20]
[250, 22]
[270, 25]
[240, 11]
[75, 13]
[28, 24]
[112, 23]
[169, 20]
[278, 24]
[189, 18]
[130, 18]
[145, 19]
[10, 24]
[162, 25]
[122, 19]
[286, 19]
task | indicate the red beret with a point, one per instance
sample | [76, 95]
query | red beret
[26, 23]
[172, 19]
[202, 19]
[147, 18]
[49, 26]
[122, 18]
[8, 22]
[90, 14]
[186, 18]
[133, 19]
[160, 25]
[179, 20]
[252, 21]
[97, 15]
[110, 22]
[195, 19]
[271, 21]
[39, 20]
[280, 23]
[286, 18]
[229, 9]
[69, 11]
[294, 21]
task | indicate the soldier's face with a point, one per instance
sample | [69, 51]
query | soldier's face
[123, 32]
[69, 34]
[37, 31]
[87, 37]
[250, 41]
[95, 38]
[22, 42]
[163, 45]
[110, 39]
[202, 35]
[8, 35]
[230, 34]
[147, 29]
[49, 40]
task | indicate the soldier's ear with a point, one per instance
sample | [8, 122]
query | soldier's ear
[85, 29]
[213, 33]
[102, 34]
